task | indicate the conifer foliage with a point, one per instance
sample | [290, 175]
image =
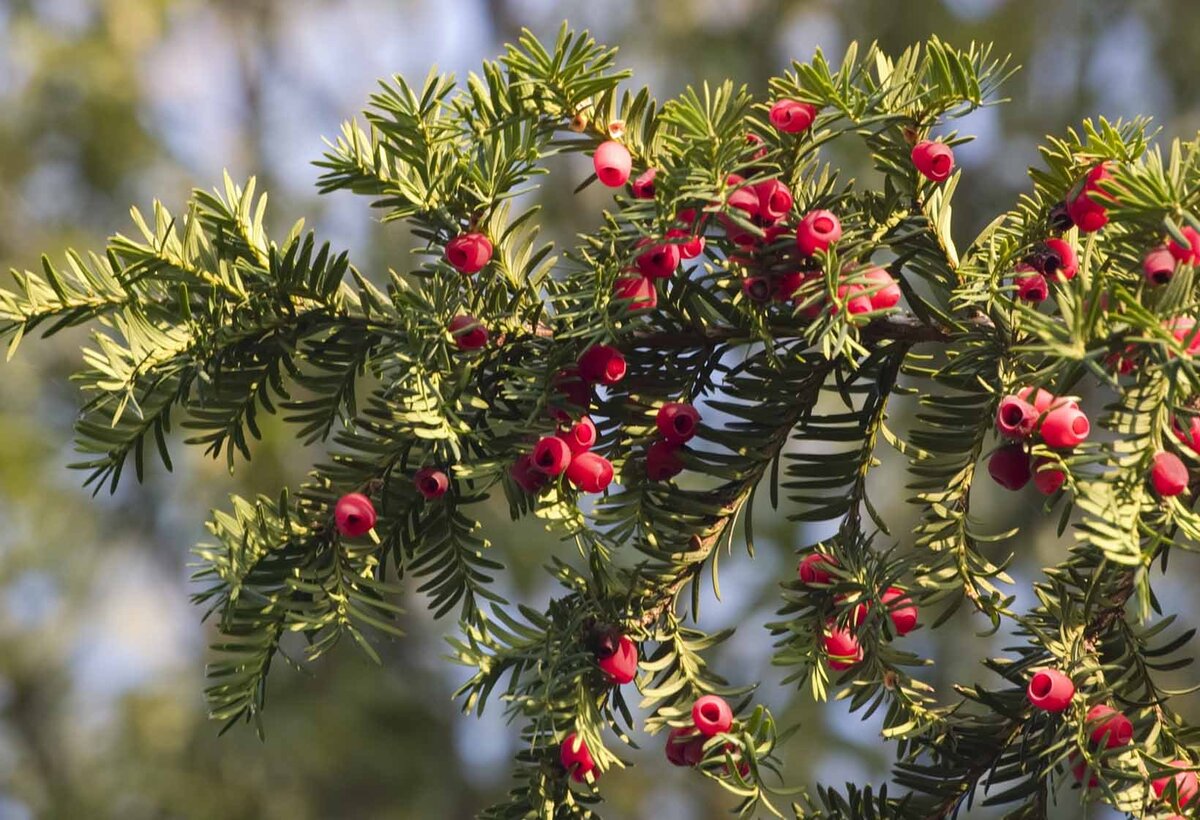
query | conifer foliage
[734, 330]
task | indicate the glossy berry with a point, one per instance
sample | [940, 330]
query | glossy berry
[691, 246]
[1183, 328]
[659, 260]
[1168, 475]
[643, 184]
[1085, 207]
[580, 436]
[602, 364]
[900, 609]
[885, 291]
[1189, 254]
[431, 483]
[551, 455]
[590, 473]
[684, 747]
[572, 390]
[1050, 690]
[1048, 479]
[1108, 727]
[812, 569]
[1158, 266]
[711, 715]
[1039, 398]
[1009, 467]
[1058, 259]
[662, 461]
[354, 515]
[1186, 784]
[469, 252]
[1031, 286]
[468, 333]
[527, 476]
[637, 291]
[1016, 418]
[774, 200]
[1065, 426]
[792, 116]
[1187, 428]
[842, 648]
[677, 422]
[934, 160]
[612, 163]
[855, 298]
[817, 231]
[620, 666]
[576, 758]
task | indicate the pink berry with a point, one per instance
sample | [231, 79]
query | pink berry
[792, 116]
[354, 515]
[1039, 398]
[1048, 479]
[551, 455]
[602, 364]
[637, 291]
[1109, 727]
[1187, 428]
[468, 333]
[1168, 474]
[1189, 255]
[1065, 426]
[1016, 418]
[612, 163]
[1050, 690]
[1031, 285]
[712, 715]
[934, 160]
[643, 184]
[817, 231]
[1186, 784]
[885, 290]
[527, 476]
[684, 747]
[659, 260]
[431, 483]
[590, 473]
[1085, 211]
[842, 648]
[774, 200]
[1158, 266]
[691, 246]
[677, 422]
[469, 252]
[901, 610]
[580, 436]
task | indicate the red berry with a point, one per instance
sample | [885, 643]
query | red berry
[576, 758]
[1189, 255]
[659, 260]
[934, 160]
[551, 455]
[1108, 727]
[1039, 398]
[1050, 690]
[774, 200]
[590, 473]
[1060, 258]
[712, 715]
[842, 648]
[468, 333]
[612, 163]
[684, 748]
[1158, 266]
[1088, 214]
[691, 247]
[621, 666]
[1048, 479]
[1186, 784]
[810, 570]
[855, 299]
[638, 291]
[817, 231]
[1188, 431]
[885, 290]
[1016, 418]
[662, 461]
[354, 515]
[1168, 475]
[1009, 467]
[571, 389]
[1080, 769]
[757, 288]
[744, 198]
[1065, 426]
[527, 476]
[1183, 328]
[792, 116]
[677, 422]
[580, 436]
[787, 284]
[901, 610]
[755, 143]
[431, 482]
[602, 364]
[1031, 285]
[858, 614]
[469, 252]
[643, 185]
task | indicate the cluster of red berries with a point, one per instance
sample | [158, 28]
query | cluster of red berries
[1052, 259]
[711, 716]
[569, 449]
[354, 515]
[841, 643]
[1059, 421]
[676, 423]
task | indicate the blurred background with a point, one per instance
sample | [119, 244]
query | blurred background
[108, 103]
